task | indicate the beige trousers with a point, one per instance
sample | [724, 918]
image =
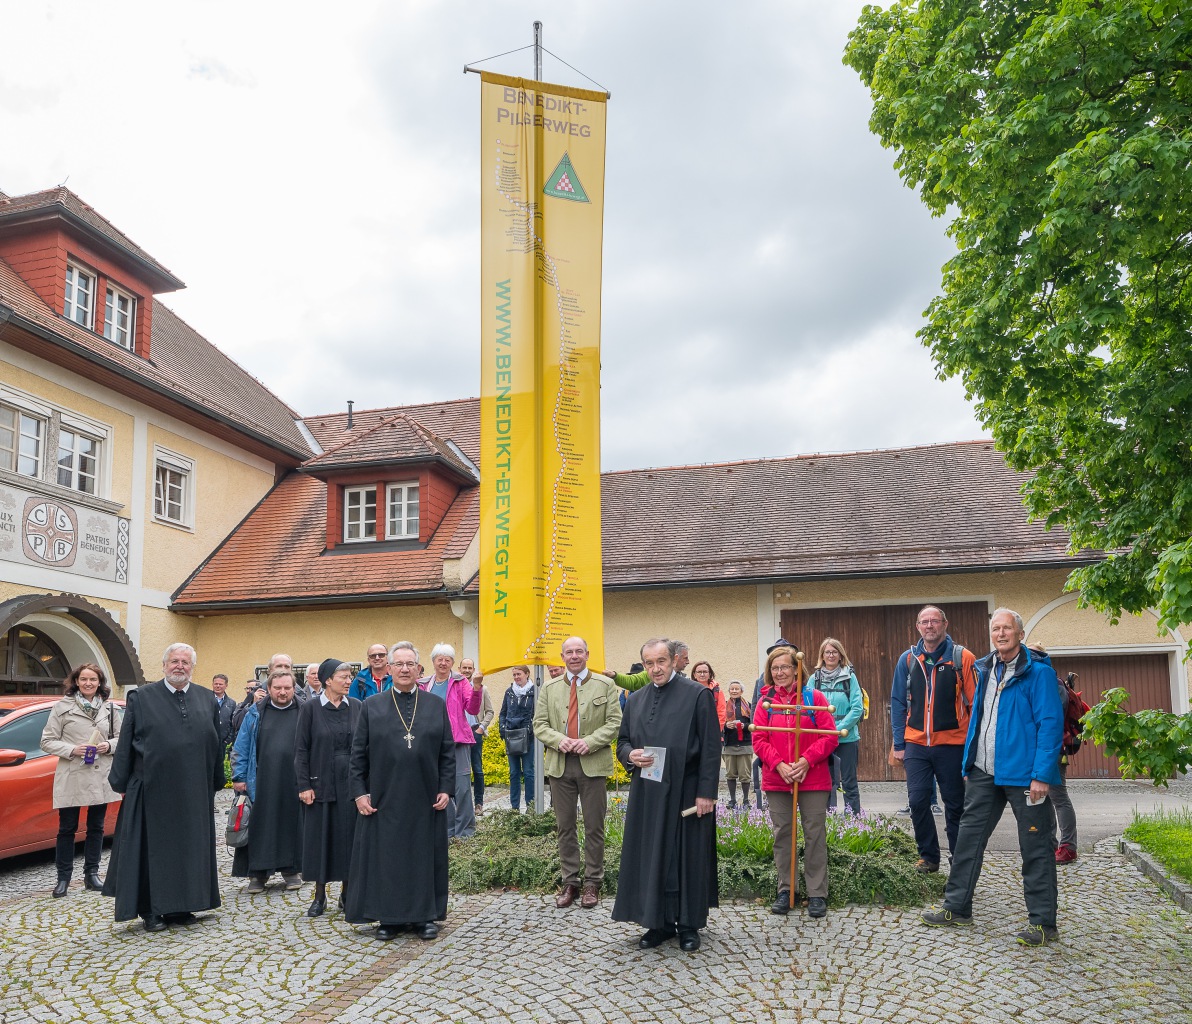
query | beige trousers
[813, 810]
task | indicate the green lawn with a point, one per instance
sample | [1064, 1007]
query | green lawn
[1166, 836]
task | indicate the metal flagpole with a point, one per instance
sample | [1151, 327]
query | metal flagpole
[539, 757]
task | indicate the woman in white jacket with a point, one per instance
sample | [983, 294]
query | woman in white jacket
[82, 732]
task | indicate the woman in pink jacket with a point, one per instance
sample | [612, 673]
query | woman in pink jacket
[783, 765]
[463, 698]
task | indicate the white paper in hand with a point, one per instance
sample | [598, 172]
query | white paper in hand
[654, 772]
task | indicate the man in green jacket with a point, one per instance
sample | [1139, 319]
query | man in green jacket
[577, 718]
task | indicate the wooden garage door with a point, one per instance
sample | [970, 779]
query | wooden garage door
[1145, 676]
[875, 636]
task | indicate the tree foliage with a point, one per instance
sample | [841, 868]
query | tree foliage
[1150, 744]
[1058, 136]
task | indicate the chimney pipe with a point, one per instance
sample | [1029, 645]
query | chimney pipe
[350, 404]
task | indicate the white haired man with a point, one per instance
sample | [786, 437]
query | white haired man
[168, 765]
[1011, 756]
[463, 698]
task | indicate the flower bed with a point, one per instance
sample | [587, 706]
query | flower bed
[870, 859]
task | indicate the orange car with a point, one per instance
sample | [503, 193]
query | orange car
[28, 820]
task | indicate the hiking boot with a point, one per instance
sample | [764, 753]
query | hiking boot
[1065, 854]
[927, 867]
[817, 906]
[1037, 935]
[782, 903]
[943, 918]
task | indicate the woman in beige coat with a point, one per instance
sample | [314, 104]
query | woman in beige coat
[81, 732]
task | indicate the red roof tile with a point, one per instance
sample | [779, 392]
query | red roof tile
[457, 420]
[276, 557]
[931, 509]
[396, 439]
[22, 207]
[182, 364]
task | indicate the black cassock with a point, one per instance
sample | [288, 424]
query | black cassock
[168, 764]
[321, 758]
[668, 862]
[275, 830]
[399, 855]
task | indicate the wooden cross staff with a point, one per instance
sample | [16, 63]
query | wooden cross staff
[799, 731]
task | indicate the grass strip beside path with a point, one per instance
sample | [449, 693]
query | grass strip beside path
[1166, 836]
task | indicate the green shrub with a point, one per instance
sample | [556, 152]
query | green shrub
[870, 859]
[496, 764]
[1167, 836]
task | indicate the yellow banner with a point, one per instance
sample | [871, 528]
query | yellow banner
[542, 213]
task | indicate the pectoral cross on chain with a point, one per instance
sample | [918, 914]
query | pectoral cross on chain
[409, 740]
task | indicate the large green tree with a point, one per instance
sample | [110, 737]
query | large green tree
[1058, 137]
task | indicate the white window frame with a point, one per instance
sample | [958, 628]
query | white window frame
[111, 326]
[75, 469]
[397, 528]
[82, 314]
[361, 521]
[171, 462]
[21, 416]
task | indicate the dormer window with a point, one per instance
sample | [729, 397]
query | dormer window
[80, 296]
[402, 501]
[119, 316]
[360, 514]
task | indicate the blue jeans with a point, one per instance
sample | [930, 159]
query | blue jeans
[521, 774]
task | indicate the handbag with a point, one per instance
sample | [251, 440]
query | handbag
[239, 814]
[517, 741]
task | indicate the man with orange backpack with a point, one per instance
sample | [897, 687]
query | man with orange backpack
[931, 703]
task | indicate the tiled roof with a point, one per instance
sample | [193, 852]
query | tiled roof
[914, 510]
[277, 555]
[183, 365]
[457, 420]
[395, 439]
[13, 207]
[937, 508]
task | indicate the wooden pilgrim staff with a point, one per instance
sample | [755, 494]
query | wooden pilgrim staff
[799, 732]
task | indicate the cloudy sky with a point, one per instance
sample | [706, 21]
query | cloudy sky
[311, 172]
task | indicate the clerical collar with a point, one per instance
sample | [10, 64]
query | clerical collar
[280, 707]
[174, 689]
[659, 686]
[406, 693]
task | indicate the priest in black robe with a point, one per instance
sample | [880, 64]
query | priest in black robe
[263, 766]
[402, 776]
[668, 861]
[168, 765]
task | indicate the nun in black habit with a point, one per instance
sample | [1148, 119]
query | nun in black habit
[321, 756]
[402, 776]
[668, 861]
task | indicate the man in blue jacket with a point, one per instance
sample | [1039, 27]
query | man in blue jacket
[1011, 756]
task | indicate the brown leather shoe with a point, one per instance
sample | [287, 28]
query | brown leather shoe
[567, 896]
[590, 897]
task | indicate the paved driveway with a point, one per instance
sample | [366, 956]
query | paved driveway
[1123, 958]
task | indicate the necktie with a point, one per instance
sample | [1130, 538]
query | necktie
[573, 712]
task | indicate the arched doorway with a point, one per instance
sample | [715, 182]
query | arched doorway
[30, 662]
[45, 635]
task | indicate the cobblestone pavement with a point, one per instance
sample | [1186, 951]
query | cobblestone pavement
[1123, 959]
